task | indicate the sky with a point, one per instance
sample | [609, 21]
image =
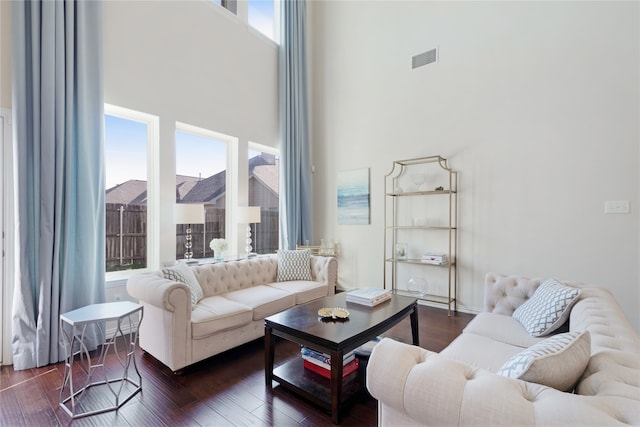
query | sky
[126, 151]
[261, 16]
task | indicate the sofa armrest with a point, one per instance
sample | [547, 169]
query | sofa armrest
[152, 288]
[435, 390]
[165, 332]
[324, 269]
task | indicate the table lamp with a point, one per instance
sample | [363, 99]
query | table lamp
[249, 215]
[188, 213]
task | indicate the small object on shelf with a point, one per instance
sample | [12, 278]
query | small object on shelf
[440, 188]
[401, 251]
[418, 179]
[417, 285]
[368, 296]
[435, 258]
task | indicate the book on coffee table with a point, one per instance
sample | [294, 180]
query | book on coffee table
[307, 353]
[347, 369]
[368, 296]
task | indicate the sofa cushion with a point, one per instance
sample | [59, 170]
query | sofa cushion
[294, 265]
[304, 291]
[216, 314]
[548, 308]
[264, 300]
[181, 272]
[501, 328]
[480, 351]
[557, 362]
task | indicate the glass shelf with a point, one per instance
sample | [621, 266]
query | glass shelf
[420, 193]
[418, 262]
[420, 227]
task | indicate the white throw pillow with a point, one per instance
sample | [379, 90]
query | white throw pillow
[181, 272]
[294, 265]
[557, 362]
[548, 308]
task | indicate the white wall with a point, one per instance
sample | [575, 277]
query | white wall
[535, 103]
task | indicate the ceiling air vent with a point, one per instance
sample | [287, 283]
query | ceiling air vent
[424, 58]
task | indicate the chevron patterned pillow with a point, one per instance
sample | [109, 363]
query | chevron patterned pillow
[556, 362]
[294, 265]
[182, 273]
[548, 308]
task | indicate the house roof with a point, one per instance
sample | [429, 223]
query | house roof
[132, 192]
[189, 189]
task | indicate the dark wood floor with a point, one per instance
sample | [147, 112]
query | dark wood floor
[225, 390]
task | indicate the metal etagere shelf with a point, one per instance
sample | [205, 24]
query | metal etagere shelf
[422, 178]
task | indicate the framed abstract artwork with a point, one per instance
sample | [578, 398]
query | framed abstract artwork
[354, 197]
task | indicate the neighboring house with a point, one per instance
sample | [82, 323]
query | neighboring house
[263, 187]
[132, 192]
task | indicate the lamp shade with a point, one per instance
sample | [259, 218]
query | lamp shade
[188, 213]
[248, 214]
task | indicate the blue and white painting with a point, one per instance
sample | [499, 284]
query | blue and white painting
[353, 197]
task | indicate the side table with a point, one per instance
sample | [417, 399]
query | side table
[75, 400]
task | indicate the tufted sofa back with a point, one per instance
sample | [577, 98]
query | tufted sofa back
[503, 294]
[223, 277]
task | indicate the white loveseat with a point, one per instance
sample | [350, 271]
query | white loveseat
[459, 386]
[237, 296]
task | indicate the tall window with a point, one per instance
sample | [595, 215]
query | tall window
[230, 5]
[201, 177]
[264, 176]
[128, 136]
[262, 17]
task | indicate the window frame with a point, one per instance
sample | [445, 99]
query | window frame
[153, 187]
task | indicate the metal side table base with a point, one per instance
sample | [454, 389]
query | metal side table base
[117, 389]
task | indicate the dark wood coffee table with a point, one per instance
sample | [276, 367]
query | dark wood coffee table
[302, 325]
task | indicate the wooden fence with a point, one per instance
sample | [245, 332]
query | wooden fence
[126, 235]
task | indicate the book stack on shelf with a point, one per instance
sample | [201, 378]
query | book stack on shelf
[369, 296]
[320, 363]
[435, 258]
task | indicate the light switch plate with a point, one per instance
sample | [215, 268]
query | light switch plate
[616, 207]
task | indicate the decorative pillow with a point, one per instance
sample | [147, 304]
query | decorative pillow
[181, 272]
[294, 265]
[548, 308]
[557, 362]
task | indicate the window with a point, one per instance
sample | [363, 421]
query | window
[230, 5]
[129, 142]
[263, 183]
[262, 17]
[201, 177]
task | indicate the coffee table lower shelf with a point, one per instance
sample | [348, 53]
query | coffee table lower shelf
[314, 387]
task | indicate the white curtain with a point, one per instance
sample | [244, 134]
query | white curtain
[58, 129]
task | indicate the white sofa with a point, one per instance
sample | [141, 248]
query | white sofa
[237, 296]
[459, 386]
